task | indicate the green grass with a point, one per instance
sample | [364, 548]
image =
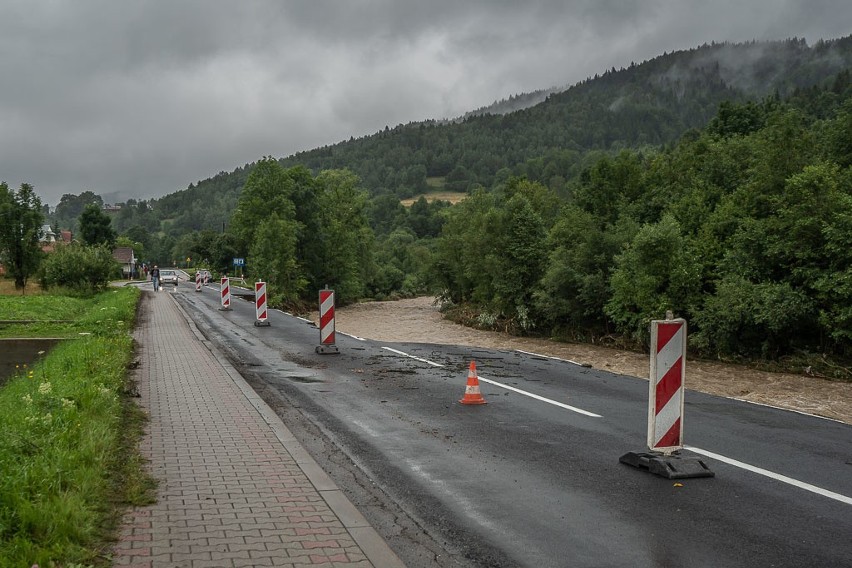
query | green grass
[44, 313]
[68, 457]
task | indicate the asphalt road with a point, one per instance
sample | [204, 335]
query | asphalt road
[526, 481]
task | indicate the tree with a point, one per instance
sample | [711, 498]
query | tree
[126, 241]
[71, 206]
[348, 239]
[386, 213]
[463, 251]
[272, 257]
[519, 264]
[268, 190]
[96, 227]
[657, 272]
[81, 269]
[20, 226]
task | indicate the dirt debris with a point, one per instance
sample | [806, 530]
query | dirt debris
[419, 320]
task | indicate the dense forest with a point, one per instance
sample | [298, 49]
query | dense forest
[649, 104]
[713, 182]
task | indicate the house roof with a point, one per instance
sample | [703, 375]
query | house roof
[47, 235]
[124, 255]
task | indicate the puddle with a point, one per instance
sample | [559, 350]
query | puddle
[17, 352]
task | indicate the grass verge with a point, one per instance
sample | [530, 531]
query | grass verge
[69, 462]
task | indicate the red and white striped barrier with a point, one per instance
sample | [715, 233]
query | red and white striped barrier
[665, 407]
[198, 282]
[260, 303]
[665, 400]
[326, 312]
[226, 293]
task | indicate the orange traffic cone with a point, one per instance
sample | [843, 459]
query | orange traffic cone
[471, 391]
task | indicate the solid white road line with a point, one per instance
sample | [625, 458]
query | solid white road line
[507, 387]
[803, 413]
[715, 456]
[773, 475]
[350, 335]
[548, 357]
[413, 357]
[541, 398]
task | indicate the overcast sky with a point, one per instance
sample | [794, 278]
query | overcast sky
[145, 97]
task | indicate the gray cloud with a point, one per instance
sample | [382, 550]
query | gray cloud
[145, 97]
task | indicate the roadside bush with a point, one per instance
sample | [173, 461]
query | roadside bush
[743, 318]
[81, 269]
[656, 273]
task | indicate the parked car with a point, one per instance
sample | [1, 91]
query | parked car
[168, 277]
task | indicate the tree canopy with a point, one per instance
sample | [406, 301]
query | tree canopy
[21, 221]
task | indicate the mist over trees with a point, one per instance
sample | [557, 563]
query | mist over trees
[713, 182]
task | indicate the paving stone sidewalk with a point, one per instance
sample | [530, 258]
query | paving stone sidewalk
[235, 487]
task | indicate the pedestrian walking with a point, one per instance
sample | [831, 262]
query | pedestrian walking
[155, 278]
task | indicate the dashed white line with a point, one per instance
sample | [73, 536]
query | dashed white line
[773, 475]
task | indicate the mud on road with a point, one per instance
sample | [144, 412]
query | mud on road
[419, 320]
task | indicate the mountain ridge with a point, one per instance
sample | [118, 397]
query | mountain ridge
[646, 104]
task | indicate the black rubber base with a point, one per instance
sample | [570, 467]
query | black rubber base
[671, 467]
[327, 349]
[259, 323]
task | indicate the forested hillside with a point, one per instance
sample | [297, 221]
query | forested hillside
[644, 105]
[715, 183]
[744, 228]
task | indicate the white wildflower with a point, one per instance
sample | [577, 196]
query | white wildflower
[45, 388]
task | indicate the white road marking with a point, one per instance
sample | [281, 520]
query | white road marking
[541, 398]
[352, 336]
[773, 475]
[427, 361]
[728, 397]
[507, 387]
[460, 500]
[787, 410]
[367, 429]
[719, 457]
[548, 357]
